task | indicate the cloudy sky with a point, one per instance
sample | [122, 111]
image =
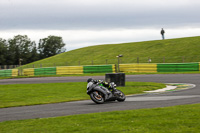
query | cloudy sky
[92, 22]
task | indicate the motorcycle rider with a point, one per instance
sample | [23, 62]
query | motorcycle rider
[101, 91]
[104, 83]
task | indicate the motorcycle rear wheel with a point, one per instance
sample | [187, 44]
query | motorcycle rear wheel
[97, 97]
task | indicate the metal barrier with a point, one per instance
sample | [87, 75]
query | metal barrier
[160, 67]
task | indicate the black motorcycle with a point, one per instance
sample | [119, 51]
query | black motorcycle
[99, 94]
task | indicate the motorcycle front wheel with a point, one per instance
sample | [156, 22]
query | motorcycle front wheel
[97, 97]
[120, 97]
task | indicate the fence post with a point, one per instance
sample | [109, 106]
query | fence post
[118, 64]
[18, 72]
[40, 65]
[183, 58]
[92, 62]
[21, 71]
[106, 61]
[164, 59]
[79, 63]
[138, 60]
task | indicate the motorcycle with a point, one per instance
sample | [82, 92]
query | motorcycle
[99, 94]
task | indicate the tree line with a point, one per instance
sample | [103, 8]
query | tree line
[21, 50]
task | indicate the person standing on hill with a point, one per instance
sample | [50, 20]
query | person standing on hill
[162, 32]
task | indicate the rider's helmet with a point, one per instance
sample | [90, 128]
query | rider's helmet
[89, 80]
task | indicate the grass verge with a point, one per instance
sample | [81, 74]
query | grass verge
[32, 94]
[96, 74]
[69, 75]
[177, 119]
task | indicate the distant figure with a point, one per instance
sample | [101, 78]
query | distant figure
[162, 33]
[149, 60]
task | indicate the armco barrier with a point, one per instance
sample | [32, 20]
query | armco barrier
[45, 71]
[146, 68]
[9, 73]
[178, 67]
[160, 67]
[99, 69]
[14, 72]
[143, 68]
[69, 70]
[29, 72]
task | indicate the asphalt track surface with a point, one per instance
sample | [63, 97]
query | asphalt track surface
[188, 96]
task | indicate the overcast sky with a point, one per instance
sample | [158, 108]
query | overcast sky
[91, 22]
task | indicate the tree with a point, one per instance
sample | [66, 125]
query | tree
[34, 54]
[3, 51]
[20, 48]
[50, 46]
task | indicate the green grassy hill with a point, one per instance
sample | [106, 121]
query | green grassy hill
[160, 51]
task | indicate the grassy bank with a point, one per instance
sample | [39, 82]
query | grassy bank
[177, 119]
[31, 94]
[169, 50]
